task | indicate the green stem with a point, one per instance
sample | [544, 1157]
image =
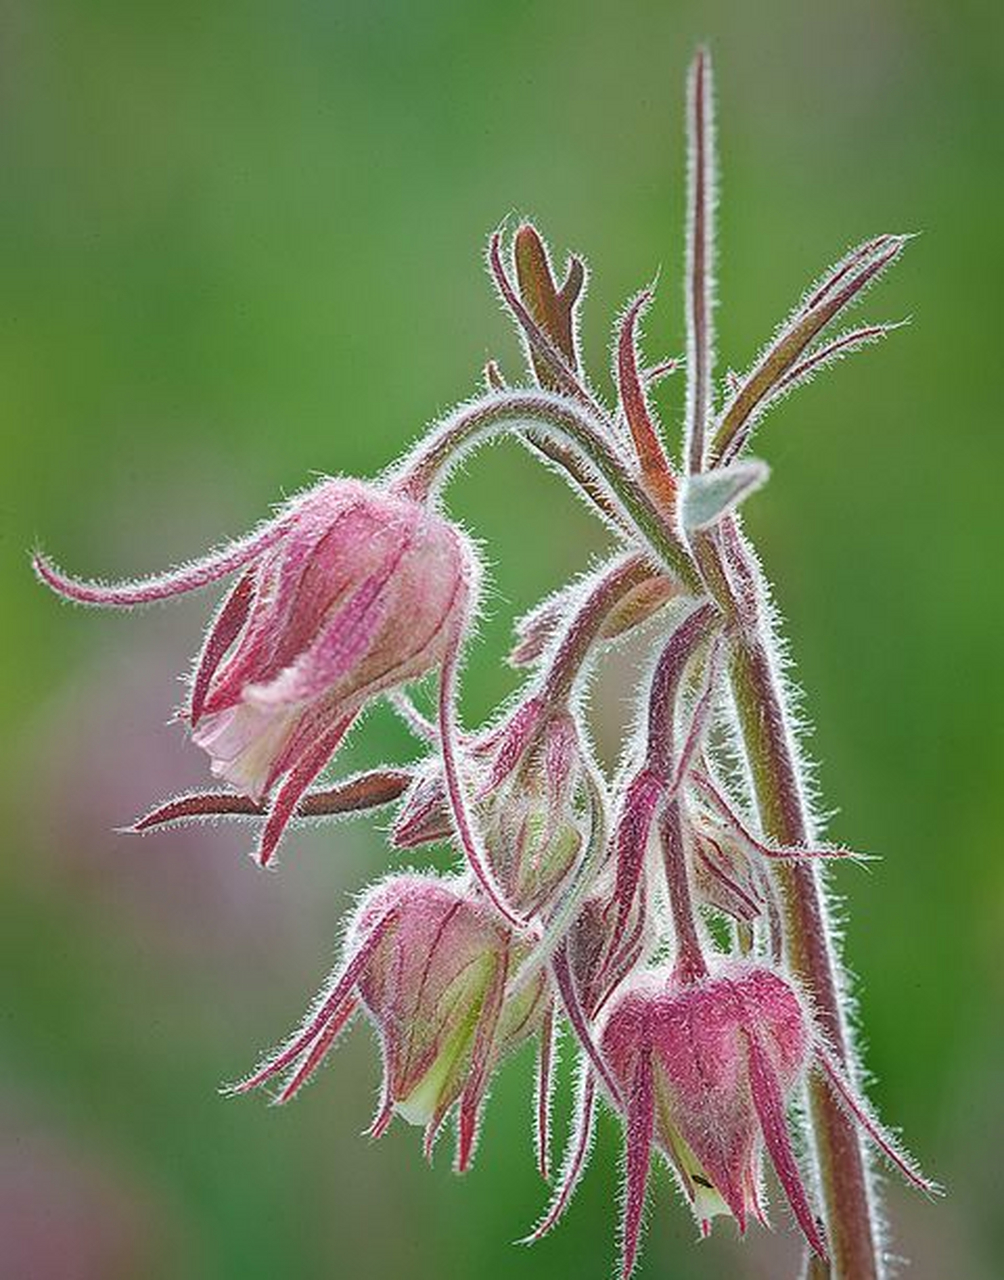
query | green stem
[764, 722]
[560, 419]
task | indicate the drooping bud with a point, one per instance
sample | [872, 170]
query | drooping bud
[429, 963]
[725, 877]
[705, 1071]
[423, 816]
[357, 598]
[350, 591]
[533, 826]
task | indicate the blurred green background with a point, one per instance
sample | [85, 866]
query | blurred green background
[243, 242]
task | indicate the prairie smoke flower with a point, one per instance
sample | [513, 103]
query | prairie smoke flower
[349, 591]
[705, 1071]
[354, 589]
[428, 961]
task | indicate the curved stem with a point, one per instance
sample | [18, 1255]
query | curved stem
[586, 623]
[664, 759]
[563, 917]
[561, 419]
[694, 631]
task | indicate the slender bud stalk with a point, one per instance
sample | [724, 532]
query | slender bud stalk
[501, 414]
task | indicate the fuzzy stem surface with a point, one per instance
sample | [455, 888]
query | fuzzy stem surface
[764, 722]
[568, 423]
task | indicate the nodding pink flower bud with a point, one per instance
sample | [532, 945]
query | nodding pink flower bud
[429, 963]
[683, 1057]
[705, 1071]
[526, 805]
[423, 816]
[349, 591]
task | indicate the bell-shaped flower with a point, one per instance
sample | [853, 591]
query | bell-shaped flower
[429, 962]
[705, 1072]
[351, 590]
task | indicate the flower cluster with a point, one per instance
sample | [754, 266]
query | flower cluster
[672, 918]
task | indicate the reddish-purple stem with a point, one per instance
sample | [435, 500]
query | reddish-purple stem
[470, 841]
[690, 963]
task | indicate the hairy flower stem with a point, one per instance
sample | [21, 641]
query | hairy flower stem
[587, 624]
[764, 725]
[557, 418]
[690, 963]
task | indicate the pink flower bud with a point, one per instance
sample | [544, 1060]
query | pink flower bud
[725, 877]
[533, 820]
[423, 816]
[429, 963]
[358, 597]
[350, 591]
[705, 1071]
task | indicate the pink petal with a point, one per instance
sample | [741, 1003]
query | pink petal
[340, 645]
[299, 779]
[769, 1103]
[638, 1130]
[270, 630]
[222, 634]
